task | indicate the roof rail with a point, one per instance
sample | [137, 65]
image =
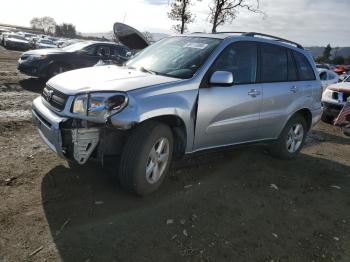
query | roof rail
[230, 32]
[253, 34]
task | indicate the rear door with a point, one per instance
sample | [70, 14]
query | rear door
[230, 114]
[280, 85]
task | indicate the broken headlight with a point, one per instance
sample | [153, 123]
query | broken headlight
[99, 105]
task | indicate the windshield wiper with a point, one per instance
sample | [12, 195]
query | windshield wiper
[148, 71]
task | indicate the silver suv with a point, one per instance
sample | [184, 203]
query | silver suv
[181, 95]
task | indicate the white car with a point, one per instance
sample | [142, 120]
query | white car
[45, 43]
[328, 77]
[334, 98]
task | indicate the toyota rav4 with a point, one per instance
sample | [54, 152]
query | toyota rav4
[181, 95]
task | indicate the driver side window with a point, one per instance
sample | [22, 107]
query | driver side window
[241, 60]
[104, 51]
[90, 50]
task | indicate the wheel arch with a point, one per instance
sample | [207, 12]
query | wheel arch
[178, 129]
[305, 113]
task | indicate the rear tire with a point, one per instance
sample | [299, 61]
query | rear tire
[146, 158]
[291, 139]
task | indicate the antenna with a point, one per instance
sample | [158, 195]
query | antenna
[124, 18]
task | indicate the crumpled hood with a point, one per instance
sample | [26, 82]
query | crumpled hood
[340, 87]
[105, 78]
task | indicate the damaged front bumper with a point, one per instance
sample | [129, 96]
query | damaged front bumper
[81, 141]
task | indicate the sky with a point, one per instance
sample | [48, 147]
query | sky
[309, 22]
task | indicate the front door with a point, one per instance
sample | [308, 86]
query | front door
[230, 114]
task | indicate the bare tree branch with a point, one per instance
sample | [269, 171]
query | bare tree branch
[225, 11]
[180, 11]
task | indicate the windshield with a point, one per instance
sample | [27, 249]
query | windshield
[48, 42]
[17, 37]
[175, 56]
[76, 46]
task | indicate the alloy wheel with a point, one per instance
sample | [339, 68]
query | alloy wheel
[157, 160]
[295, 138]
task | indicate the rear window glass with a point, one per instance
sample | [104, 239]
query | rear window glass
[305, 70]
[274, 64]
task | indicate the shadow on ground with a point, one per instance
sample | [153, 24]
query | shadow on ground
[33, 84]
[215, 207]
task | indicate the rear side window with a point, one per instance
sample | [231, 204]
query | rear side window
[304, 68]
[274, 64]
[241, 60]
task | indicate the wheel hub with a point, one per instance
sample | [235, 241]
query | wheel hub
[295, 138]
[157, 160]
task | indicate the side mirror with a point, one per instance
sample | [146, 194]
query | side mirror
[223, 78]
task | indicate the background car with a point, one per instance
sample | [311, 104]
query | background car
[323, 66]
[16, 42]
[334, 98]
[46, 63]
[327, 77]
[4, 37]
[45, 43]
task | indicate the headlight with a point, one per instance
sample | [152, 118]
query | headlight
[37, 57]
[327, 94]
[99, 105]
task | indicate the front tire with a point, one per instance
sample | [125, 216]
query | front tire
[146, 158]
[291, 140]
[56, 69]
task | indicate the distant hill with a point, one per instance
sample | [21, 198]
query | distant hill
[336, 51]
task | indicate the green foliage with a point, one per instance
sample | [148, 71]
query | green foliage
[65, 30]
[327, 54]
[338, 60]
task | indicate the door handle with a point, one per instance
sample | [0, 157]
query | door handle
[254, 92]
[293, 89]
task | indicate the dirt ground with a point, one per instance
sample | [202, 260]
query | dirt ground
[239, 205]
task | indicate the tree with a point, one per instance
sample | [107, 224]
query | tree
[338, 60]
[148, 36]
[347, 60]
[224, 11]
[327, 54]
[46, 23]
[319, 59]
[180, 11]
[65, 30]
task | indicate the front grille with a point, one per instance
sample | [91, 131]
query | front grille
[335, 95]
[55, 98]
